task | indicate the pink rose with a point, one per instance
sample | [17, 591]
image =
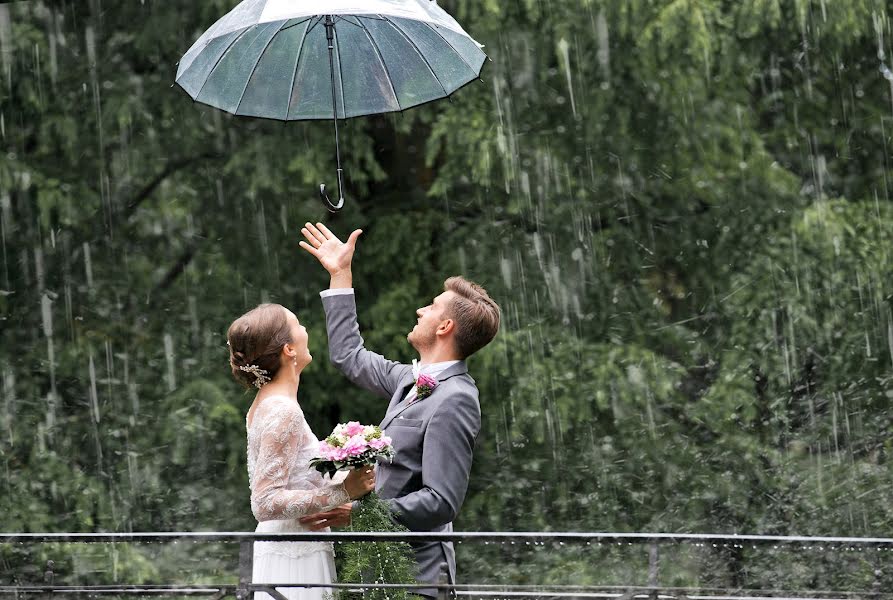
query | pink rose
[325, 449]
[379, 443]
[356, 445]
[353, 428]
[426, 381]
[338, 454]
[330, 452]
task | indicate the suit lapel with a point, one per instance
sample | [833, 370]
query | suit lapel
[397, 409]
[397, 405]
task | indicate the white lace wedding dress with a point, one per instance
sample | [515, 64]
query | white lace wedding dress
[283, 489]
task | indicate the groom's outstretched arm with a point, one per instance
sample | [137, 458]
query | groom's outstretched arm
[347, 352]
[346, 347]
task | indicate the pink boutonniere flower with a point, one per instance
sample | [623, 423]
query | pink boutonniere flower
[424, 385]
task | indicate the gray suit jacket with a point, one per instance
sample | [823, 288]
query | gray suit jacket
[434, 437]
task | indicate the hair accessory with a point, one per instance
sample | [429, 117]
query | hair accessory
[260, 375]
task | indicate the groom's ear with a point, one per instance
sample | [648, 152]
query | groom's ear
[446, 327]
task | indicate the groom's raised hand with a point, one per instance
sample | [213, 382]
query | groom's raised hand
[333, 254]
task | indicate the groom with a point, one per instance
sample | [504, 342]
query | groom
[433, 426]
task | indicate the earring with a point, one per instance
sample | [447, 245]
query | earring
[296, 361]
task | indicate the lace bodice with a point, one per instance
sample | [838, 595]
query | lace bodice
[280, 446]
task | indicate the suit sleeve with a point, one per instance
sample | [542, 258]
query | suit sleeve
[347, 352]
[447, 452]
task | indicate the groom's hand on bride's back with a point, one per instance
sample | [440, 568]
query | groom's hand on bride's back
[359, 482]
[333, 254]
[337, 517]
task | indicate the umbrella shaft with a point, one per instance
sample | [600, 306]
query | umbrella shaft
[330, 36]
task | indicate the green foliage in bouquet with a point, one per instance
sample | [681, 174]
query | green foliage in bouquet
[378, 562]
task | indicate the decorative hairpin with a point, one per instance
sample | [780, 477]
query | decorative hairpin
[260, 375]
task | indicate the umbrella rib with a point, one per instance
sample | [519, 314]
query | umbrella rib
[254, 68]
[315, 23]
[291, 88]
[295, 24]
[419, 52]
[220, 58]
[340, 18]
[451, 47]
[381, 60]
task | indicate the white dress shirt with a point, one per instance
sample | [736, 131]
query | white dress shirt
[336, 292]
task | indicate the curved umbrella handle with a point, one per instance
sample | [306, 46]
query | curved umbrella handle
[325, 197]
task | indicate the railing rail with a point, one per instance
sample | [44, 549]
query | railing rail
[468, 536]
[879, 547]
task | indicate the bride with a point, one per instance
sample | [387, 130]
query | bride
[268, 351]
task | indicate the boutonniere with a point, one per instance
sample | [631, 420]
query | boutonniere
[424, 385]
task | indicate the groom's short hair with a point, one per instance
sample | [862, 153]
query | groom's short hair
[475, 313]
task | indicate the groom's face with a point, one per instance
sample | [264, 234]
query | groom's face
[430, 317]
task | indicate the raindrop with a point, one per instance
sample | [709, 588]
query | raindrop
[9, 403]
[46, 311]
[6, 43]
[170, 377]
[94, 398]
[563, 47]
[88, 265]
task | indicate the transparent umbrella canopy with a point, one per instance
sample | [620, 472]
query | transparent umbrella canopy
[294, 60]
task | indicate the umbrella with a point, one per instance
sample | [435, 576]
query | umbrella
[296, 60]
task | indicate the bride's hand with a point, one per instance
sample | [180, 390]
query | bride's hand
[359, 482]
[336, 256]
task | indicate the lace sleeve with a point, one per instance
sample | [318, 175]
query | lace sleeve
[281, 437]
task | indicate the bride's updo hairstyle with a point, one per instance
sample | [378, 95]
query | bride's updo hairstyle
[255, 343]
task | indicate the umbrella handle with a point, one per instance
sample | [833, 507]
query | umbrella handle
[325, 197]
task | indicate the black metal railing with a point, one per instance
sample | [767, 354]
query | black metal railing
[880, 549]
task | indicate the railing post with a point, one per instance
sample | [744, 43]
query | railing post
[443, 579]
[246, 567]
[49, 577]
[653, 569]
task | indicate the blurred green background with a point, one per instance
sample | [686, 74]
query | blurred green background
[683, 208]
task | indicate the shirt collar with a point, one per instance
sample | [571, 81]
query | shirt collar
[433, 369]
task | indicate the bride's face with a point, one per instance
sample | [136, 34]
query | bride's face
[298, 346]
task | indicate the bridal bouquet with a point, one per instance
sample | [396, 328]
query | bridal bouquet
[353, 445]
